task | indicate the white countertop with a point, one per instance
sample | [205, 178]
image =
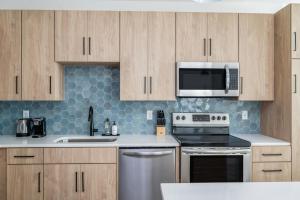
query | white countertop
[231, 191]
[7, 141]
[262, 140]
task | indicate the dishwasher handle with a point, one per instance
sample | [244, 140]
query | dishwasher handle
[149, 153]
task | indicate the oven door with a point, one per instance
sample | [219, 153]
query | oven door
[202, 79]
[215, 165]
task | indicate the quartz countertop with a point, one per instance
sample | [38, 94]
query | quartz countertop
[261, 140]
[231, 191]
[7, 141]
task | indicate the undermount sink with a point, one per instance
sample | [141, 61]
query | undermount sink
[85, 139]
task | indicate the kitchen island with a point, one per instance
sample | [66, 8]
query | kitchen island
[231, 191]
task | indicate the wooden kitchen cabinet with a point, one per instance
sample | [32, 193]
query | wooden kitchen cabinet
[86, 36]
[295, 26]
[25, 182]
[10, 56]
[256, 57]
[147, 56]
[191, 37]
[62, 181]
[3, 174]
[42, 77]
[98, 182]
[205, 37]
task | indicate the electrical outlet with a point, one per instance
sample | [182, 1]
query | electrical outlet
[244, 115]
[25, 113]
[149, 114]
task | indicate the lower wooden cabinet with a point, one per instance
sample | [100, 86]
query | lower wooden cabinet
[80, 181]
[273, 171]
[25, 182]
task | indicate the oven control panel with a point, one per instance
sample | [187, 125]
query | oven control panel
[200, 119]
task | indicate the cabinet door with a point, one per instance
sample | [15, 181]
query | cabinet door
[62, 181]
[272, 172]
[41, 76]
[10, 55]
[103, 36]
[25, 182]
[222, 37]
[256, 56]
[161, 56]
[98, 182]
[133, 56]
[295, 120]
[295, 31]
[191, 37]
[71, 36]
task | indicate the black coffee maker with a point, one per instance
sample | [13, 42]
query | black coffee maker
[39, 127]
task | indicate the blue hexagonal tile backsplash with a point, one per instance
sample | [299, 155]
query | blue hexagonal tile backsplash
[99, 86]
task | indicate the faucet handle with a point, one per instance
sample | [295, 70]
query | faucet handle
[95, 130]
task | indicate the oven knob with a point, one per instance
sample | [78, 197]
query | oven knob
[183, 117]
[213, 118]
[224, 118]
[177, 117]
[218, 118]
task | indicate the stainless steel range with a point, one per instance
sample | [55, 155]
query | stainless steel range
[208, 152]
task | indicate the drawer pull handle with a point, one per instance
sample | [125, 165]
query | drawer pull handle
[272, 170]
[76, 181]
[24, 156]
[272, 154]
[39, 182]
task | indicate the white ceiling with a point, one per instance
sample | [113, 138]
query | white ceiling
[248, 6]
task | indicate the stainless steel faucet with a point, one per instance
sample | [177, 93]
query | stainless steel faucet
[91, 120]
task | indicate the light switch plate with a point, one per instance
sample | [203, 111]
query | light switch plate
[244, 115]
[149, 114]
[25, 113]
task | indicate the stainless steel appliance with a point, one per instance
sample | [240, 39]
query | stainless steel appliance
[142, 170]
[208, 152]
[206, 79]
[39, 127]
[24, 127]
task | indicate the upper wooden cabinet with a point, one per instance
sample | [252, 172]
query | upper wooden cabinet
[42, 77]
[147, 56]
[295, 16]
[191, 37]
[10, 55]
[86, 36]
[256, 57]
[205, 37]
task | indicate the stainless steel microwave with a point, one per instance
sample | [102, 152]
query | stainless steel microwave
[207, 79]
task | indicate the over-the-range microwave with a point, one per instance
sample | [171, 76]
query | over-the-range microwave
[207, 79]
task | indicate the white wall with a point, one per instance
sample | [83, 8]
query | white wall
[259, 6]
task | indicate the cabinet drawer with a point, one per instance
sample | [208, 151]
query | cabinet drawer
[25, 156]
[269, 172]
[271, 154]
[80, 155]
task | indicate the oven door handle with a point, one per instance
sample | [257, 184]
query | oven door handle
[216, 152]
[227, 79]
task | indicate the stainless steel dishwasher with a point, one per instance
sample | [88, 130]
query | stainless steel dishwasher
[142, 170]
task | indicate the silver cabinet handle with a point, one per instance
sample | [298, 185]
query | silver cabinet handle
[272, 170]
[90, 45]
[76, 181]
[295, 83]
[227, 79]
[39, 182]
[82, 181]
[271, 154]
[209, 46]
[204, 41]
[295, 41]
[145, 84]
[242, 85]
[150, 84]
[154, 153]
[83, 45]
[17, 84]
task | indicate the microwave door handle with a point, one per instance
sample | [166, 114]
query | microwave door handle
[227, 79]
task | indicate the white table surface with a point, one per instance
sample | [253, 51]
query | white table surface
[231, 191]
